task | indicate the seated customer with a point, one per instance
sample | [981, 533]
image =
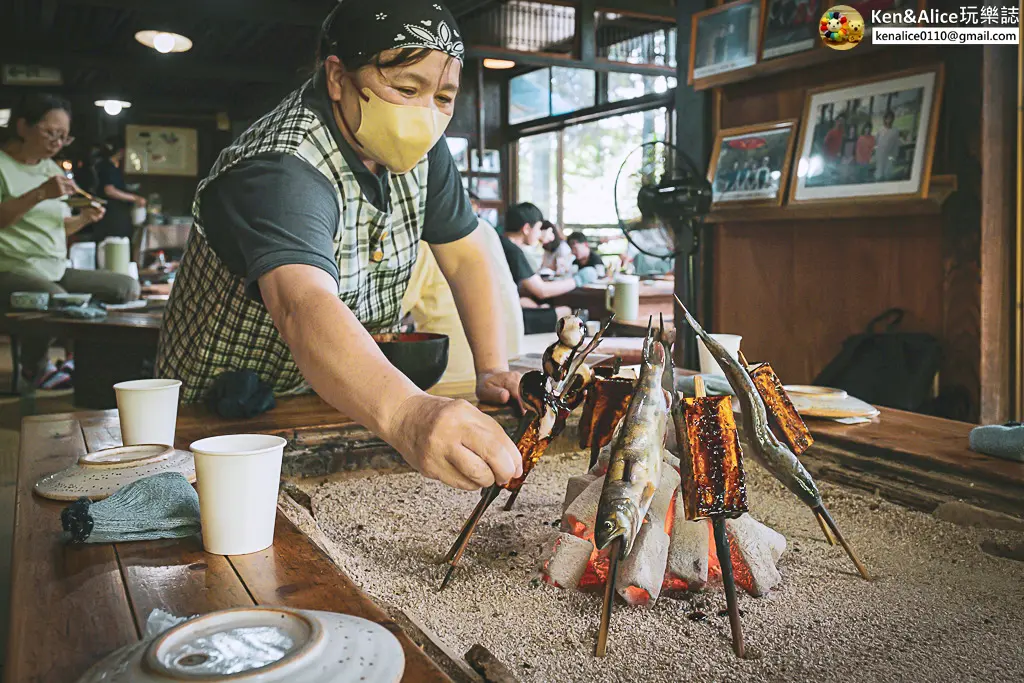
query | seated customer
[35, 225]
[523, 227]
[585, 256]
[558, 256]
[430, 301]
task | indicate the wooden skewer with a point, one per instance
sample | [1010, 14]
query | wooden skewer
[743, 360]
[455, 553]
[615, 549]
[89, 196]
[824, 529]
[724, 556]
[823, 513]
[725, 560]
[512, 499]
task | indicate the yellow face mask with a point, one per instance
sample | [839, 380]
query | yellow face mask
[395, 135]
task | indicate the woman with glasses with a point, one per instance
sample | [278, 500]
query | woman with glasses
[35, 225]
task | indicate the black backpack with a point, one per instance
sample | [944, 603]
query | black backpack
[890, 368]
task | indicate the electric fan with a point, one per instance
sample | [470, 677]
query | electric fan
[660, 196]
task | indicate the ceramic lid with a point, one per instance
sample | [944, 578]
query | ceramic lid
[100, 474]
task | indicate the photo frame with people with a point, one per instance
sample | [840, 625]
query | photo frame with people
[725, 38]
[869, 138]
[750, 165]
[790, 26]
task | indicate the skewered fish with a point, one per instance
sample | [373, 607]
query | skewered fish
[635, 465]
[782, 416]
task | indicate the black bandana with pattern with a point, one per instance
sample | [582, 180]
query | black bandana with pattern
[360, 29]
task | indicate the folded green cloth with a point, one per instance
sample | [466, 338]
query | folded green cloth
[714, 384]
[162, 506]
[999, 441]
[84, 312]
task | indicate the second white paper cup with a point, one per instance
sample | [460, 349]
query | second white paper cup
[708, 364]
[238, 478]
[148, 411]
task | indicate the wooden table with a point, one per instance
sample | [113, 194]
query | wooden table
[71, 606]
[655, 298]
[117, 348]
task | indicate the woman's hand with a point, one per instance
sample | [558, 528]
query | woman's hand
[91, 214]
[56, 187]
[451, 441]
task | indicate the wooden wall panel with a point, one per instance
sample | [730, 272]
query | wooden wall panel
[795, 292]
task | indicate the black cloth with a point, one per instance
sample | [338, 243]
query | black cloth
[240, 393]
[360, 30]
[539, 320]
[274, 209]
[518, 264]
[117, 221]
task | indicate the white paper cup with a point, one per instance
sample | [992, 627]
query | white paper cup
[238, 478]
[148, 410]
[708, 364]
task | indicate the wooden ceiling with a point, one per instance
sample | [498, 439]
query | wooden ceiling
[246, 53]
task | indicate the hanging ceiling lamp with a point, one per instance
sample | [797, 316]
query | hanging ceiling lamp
[164, 41]
[113, 107]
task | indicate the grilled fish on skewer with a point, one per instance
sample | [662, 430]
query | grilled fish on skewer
[788, 424]
[711, 464]
[773, 455]
[603, 410]
[635, 465]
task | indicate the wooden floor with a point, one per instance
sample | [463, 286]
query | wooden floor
[11, 411]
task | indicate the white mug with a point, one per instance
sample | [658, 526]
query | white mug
[708, 364]
[623, 297]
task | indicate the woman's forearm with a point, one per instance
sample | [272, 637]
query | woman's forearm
[467, 267]
[354, 376]
[11, 210]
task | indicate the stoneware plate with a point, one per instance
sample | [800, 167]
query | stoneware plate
[830, 407]
[101, 474]
[809, 390]
[260, 645]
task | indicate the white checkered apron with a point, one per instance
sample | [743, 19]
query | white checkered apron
[211, 326]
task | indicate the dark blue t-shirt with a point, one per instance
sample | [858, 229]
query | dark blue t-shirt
[275, 209]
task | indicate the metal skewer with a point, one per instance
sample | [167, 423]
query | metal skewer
[615, 549]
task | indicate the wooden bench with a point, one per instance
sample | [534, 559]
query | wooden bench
[71, 606]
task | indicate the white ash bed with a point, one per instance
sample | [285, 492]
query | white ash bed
[939, 609]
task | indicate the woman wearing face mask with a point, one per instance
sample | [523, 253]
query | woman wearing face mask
[307, 230]
[35, 225]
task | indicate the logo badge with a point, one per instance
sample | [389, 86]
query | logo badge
[841, 27]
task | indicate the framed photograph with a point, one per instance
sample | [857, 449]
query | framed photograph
[724, 38]
[491, 162]
[487, 189]
[160, 150]
[872, 138]
[459, 147]
[790, 26]
[750, 165]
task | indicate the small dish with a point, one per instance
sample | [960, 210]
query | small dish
[260, 645]
[30, 301]
[69, 300]
[421, 356]
[815, 391]
[101, 474]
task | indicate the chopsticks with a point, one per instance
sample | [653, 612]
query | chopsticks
[90, 197]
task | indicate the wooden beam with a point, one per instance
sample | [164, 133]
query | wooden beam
[997, 241]
[162, 67]
[292, 12]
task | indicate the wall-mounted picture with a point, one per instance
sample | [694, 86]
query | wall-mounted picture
[160, 150]
[487, 189]
[870, 138]
[459, 147]
[491, 163]
[724, 38]
[790, 26]
[750, 165]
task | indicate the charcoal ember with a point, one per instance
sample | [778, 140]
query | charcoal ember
[581, 515]
[568, 561]
[662, 501]
[642, 573]
[575, 487]
[759, 547]
[688, 550]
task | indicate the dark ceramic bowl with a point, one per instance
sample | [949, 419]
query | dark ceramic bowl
[421, 356]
